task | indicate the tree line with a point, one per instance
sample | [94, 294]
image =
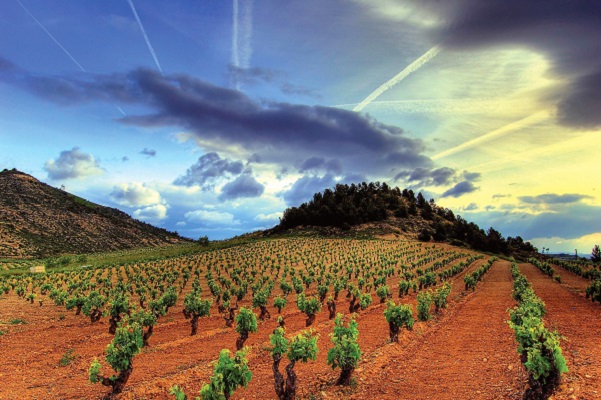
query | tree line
[350, 205]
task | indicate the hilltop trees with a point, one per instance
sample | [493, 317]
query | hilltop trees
[355, 204]
[596, 254]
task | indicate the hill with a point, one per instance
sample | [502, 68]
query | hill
[379, 208]
[37, 220]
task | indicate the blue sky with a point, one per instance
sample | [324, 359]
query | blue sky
[211, 117]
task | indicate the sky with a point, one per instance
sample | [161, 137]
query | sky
[211, 117]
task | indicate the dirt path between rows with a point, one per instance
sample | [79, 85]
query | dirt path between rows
[470, 355]
[579, 321]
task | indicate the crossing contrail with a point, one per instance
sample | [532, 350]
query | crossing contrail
[156, 60]
[241, 35]
[61, 46]
[502, 131]
[52, 37]
[414, 66]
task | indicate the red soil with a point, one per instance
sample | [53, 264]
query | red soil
[32, 352]
[469, 354]
[578, 320]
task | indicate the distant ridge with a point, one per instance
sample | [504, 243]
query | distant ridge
[37, 220]
[379, 209]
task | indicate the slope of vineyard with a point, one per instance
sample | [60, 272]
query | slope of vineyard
[37, 220]
[464, 349]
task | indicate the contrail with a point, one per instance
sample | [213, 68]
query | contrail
[61, 46]
[241, 35]
[52, 37]
[156, 60]
[235, 59]
[414, 66]
[529, 120]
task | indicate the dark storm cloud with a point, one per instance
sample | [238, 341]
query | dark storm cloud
[554, 199]
[256, 75]
[316, 164]
[243, 186]
[435, 177]
[276, 132]
[460, 189]
[207, 171]
[567, 32]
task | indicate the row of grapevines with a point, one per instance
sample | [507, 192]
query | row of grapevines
[539, 348]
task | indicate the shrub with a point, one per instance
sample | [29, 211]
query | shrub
[302, 347]
[280, 302]
[441, 295]
[346, 352]
[260, 300]
[196, 308]
[397, 317]
[593, 291]
[119, 354]
[424, 302]
[383, 292]
[246, 322]
[229, 374]
[308, 305]
[93, 305]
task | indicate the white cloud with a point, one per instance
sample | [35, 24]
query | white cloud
[212, 218]
[269, 217]
[72, 163]
[152, 213]
[135, 194]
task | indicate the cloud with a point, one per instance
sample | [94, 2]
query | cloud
[71, 164]
[315, 164]
[470, 207]
[218, 118]
[460, 189]
[304, 188]
[500, 196]
[565, 32]
[211, 218]
[572, 221]
[243, 186]
[273, 217]
[554, 199]
[149, 152]
[251, 76]
[153, 213]
[208, 170]
[256, 75]
[436, 177]
[135, 194]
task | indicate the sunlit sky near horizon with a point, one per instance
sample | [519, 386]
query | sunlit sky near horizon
[211, 117]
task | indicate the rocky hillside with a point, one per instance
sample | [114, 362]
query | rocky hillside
[37, 220]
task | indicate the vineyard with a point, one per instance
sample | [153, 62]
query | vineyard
[304, 318]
